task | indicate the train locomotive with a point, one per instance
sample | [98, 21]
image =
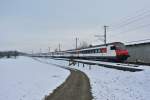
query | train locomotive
[115, 51]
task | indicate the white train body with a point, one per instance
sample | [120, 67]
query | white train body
[112, 51]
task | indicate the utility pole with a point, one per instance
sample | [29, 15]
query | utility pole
[76, 42]
[105, 38]
[49, 49]
[40, 51]
[59, 46]
[32, 51]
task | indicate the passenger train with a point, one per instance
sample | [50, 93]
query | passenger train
[115, 51]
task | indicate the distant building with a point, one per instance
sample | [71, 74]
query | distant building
[139, 52]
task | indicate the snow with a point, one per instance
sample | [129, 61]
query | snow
[112, 84]
[109, 84]
[26, 79]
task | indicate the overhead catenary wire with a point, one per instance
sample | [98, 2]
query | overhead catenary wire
[133, 29]
[131, 20]
[127, 18]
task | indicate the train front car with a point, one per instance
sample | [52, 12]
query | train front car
[121, 51]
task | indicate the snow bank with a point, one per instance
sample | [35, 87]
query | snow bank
[27, 79]
[112, 84]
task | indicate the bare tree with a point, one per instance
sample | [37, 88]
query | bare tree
[56, 50]
[83, 44]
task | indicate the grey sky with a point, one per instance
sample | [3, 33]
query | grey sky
[34, 24]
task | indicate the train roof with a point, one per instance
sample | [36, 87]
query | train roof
[138, 44]
[113, 43]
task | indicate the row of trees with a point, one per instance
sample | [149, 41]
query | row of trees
[8, 54]
[84, 44]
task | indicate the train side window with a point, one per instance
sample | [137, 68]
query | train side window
[95, 50]
[87, 51]
[99, 50]
[112, 48]
[82, 52]
[91, 51]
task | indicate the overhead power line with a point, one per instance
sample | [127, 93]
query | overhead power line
[136, 14]
[131, 29]
[132, 19]
[136, 28]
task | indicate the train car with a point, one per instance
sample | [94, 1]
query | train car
[115, 51]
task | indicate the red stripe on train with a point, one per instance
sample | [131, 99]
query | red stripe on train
[122, 52]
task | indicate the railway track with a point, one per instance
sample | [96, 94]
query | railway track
[113, 65]
[118, 66]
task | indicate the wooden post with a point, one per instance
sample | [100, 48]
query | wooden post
[89, 67]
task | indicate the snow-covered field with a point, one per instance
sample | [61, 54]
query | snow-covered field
[112, 84]
[27, 79]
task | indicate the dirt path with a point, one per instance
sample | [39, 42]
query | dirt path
[76, 87]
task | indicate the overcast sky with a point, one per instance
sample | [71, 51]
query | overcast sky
[27, 25]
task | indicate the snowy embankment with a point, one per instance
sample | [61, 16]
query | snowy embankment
[26, 79]
[112, 84]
